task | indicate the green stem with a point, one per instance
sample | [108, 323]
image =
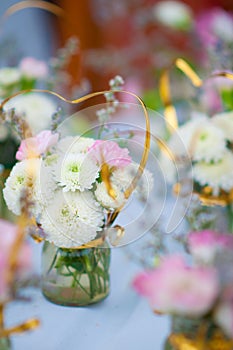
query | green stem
[230, 217]
[53, 262]
[75, 280]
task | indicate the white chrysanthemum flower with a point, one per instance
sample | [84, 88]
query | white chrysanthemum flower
[198, 139]
[76, 172]
[64, 144]
[9, 76]
[81, 144]
[74, 144]
[123, 178]
[217, 175]
[222, 26]
[174, 14]
[38, 110]
[107, 201]
[208, 143]
[45, 186]
[224, 121]
[72, 219]
[181, 140]
[23, 174]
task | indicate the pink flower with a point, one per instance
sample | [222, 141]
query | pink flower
[109, 152]
[176, 288]
[35, 146]
[214, 25]
[132, 85]
[33, 68]
[8, 234]
[204, 245]
[210, 97]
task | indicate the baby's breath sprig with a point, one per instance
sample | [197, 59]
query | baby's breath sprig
[105, 114]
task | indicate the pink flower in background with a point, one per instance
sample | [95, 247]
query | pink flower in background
[174, 287]
[36, 146]
[33, 68]
[204, 245]
[210, 97]
[109, 152]
[8, 234]
[132, 85]
[214, 25]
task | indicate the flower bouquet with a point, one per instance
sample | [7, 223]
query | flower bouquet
[197, 295]
[81, 185]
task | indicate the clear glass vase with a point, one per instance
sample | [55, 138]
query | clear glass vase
[214, 217]
[182, 325]
[75, 277]
[196, 334]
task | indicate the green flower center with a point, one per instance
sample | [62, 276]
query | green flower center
[65, 212]
[74, 168]
[203, 136]
[20, 180]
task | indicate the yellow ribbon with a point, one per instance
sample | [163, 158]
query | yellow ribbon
[165, 93]
[22, 5]
[216, 342]
[24, 327]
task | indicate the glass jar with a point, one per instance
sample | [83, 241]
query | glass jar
[5, 343]
[75, 277]
[182, 325]
[213, 217]
[196, 333]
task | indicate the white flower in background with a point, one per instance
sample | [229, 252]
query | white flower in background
[218, 175]
[107, 201]
[224, 121]
[174, 14]
[23, 174]
[182, 139]
[222, 26]
[224, 317]
[33, 68]
[9, 76]
[38, 110]
[76, 171]
[208, 143]
[72, 219]
[74, 144]
[199, 139]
